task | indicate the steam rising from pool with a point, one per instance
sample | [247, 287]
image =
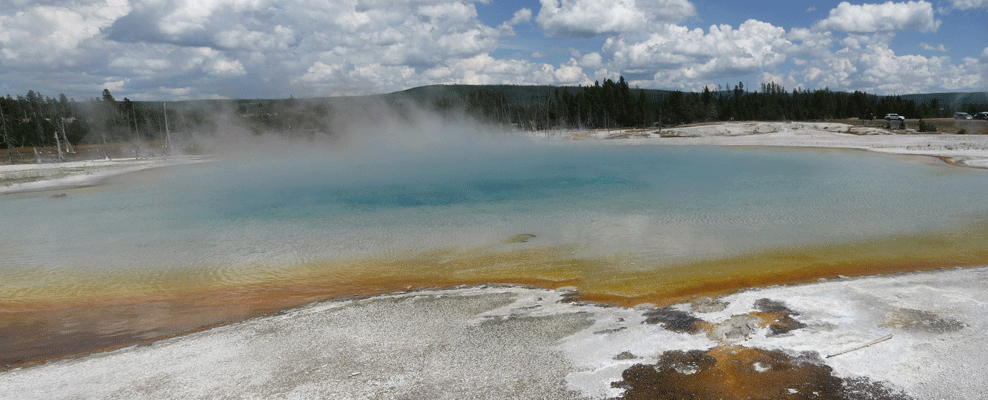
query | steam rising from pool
[393, 201]
[388, 184]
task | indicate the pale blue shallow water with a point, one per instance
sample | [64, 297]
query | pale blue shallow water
[659, 203]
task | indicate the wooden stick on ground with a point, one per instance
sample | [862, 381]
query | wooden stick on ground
[859, 347]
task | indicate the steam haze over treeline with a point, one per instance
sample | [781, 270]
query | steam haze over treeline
[35, 119]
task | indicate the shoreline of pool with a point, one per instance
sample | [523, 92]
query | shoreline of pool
[861, 333]
[24, 178]
[959, 150]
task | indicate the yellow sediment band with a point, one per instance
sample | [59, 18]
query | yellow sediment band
[605, 278]
[51, 310]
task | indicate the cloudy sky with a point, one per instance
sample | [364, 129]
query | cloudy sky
[190, 49]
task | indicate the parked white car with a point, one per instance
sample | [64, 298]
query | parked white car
[897, 117]
[962, 115]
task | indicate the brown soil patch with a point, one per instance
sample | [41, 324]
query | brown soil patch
[737, 372]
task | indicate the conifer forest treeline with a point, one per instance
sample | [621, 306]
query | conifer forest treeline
[615, 104]
[36, 120]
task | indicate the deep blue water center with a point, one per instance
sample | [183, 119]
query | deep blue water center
[577, 175]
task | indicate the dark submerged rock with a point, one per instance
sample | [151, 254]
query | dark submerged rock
[522, 238]
[773, 306]
[674, 320]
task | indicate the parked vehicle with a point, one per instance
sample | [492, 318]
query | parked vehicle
[981, 115]
[894, 117]
[962, 115]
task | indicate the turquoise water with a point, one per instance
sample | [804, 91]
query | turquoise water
[659, 203]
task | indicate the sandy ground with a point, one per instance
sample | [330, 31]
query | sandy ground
[970, 150]
[919, 335]
[513, 342]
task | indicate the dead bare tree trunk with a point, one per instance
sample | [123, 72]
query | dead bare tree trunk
[168, 135]
[60, 129]
[41, 134]
[68, 145]
[102, 134]
[58, 147]
[135, 131]
[58, 141]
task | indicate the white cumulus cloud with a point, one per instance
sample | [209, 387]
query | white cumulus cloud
[969, 4]
[876, 68]
[54, 35]
[281, 47]
[521, 16]
[152, 49]
[885, 17]
[599, 17]
[677, 56]
[930, 47]
[592, 61]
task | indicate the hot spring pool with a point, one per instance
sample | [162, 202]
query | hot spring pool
[180, 248]
[658, 203]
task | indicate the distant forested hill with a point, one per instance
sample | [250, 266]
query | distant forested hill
[36, 120]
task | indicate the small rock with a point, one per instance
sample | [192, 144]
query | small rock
[611, 330]
[739, 327]
[522, 238]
